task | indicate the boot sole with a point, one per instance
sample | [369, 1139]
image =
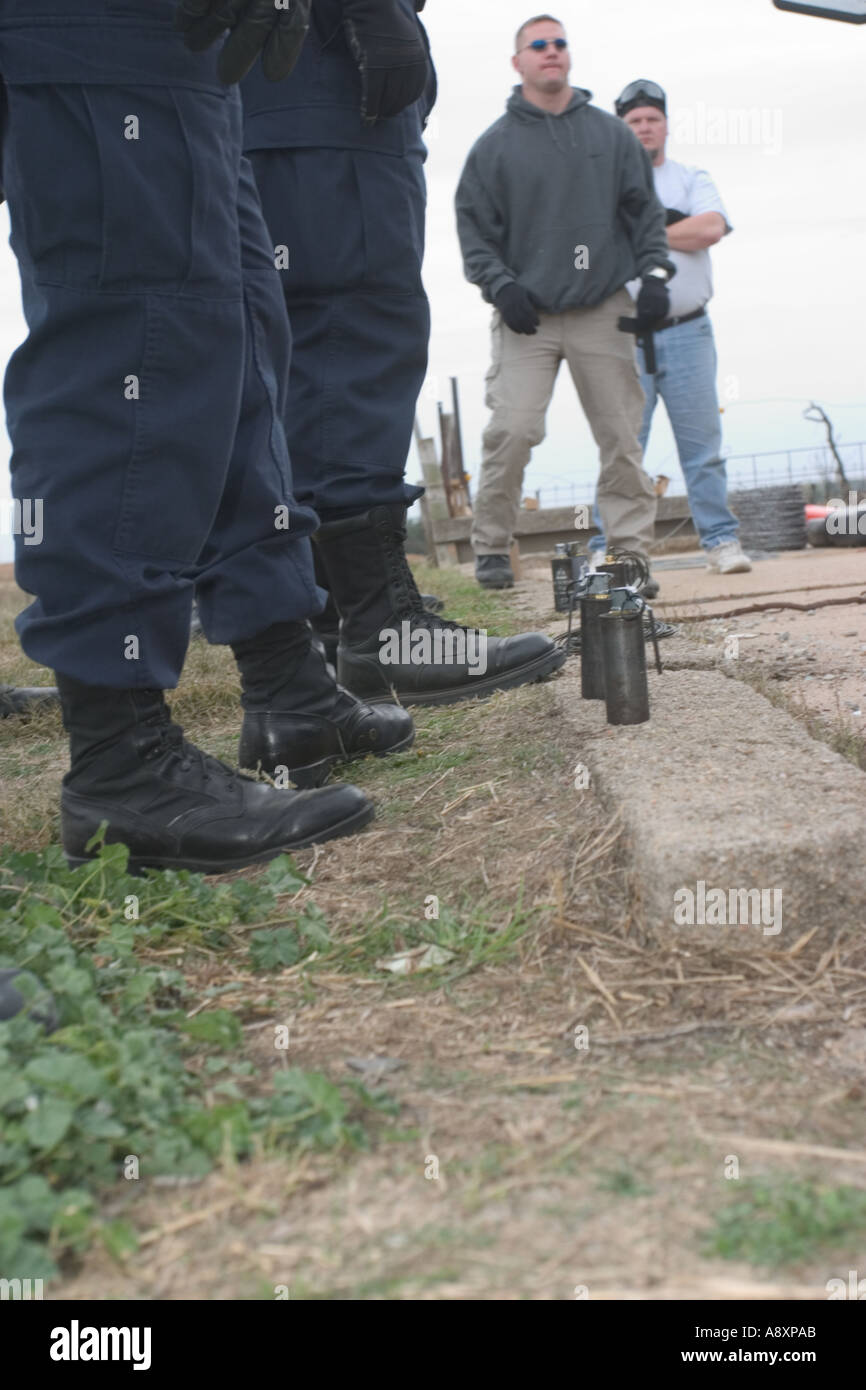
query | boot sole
[521, 675]
[486, 584]
[316, 774]
[223, 866]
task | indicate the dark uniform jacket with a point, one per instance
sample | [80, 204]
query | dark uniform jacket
[319, 105]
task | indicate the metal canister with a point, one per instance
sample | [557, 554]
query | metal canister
[619, 571]
[623, 654]
[594, 603]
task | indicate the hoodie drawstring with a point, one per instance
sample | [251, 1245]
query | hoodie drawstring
[551, 126]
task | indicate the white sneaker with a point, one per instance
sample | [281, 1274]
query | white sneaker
[728, 558]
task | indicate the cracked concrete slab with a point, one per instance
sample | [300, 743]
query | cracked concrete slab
[723, 789]
[681, 653]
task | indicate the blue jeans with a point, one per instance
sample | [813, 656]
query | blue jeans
[686, 382]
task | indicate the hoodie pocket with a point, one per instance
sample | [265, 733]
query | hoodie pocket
[594, 255]
[570, 264]
[137, 187]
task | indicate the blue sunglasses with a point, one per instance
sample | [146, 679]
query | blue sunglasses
[540, 44]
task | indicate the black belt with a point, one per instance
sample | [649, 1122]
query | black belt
[683, 318]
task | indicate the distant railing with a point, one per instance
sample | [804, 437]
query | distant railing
[809, 465]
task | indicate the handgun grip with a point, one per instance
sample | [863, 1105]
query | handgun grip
[644, 337]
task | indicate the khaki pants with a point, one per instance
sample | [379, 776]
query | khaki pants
[520, 384]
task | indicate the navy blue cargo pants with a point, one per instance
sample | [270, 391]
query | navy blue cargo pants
[145, 407]
[345, 207]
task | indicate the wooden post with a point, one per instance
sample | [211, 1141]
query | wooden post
[452, 467]
[426, 519]
[458, 443]
[434, 506]
[514, 556]
[445, 454]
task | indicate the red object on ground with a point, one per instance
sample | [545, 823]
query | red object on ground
[815, 512]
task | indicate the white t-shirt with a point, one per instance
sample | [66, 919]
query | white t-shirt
[689, 190]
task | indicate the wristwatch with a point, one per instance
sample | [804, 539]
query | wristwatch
[660, 273]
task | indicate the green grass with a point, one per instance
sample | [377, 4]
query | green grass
[773, 1222]
[623, 1182]
[473, 933]
[403, 771]
[446, 739]
[132, 1072]
[466, 602]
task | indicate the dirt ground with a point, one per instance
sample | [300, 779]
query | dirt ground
[578, 1112]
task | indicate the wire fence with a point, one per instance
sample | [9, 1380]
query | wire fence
[815, 466]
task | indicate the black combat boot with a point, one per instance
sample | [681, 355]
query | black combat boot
[24, 699]
[298, 723]
[326, 625]
[390, 647]
[494, 571]
[172, 805]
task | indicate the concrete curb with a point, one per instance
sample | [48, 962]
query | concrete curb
[723, 789]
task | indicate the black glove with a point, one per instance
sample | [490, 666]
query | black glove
[517, 307]
[390, 53]
[673, 215]
[653, 301]
[257, 26]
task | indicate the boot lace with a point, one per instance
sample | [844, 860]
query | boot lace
[170, 742]
[410, 603]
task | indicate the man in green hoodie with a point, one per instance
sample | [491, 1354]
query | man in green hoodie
[556, 211]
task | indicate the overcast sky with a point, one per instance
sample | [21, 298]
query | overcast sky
[790, 307]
